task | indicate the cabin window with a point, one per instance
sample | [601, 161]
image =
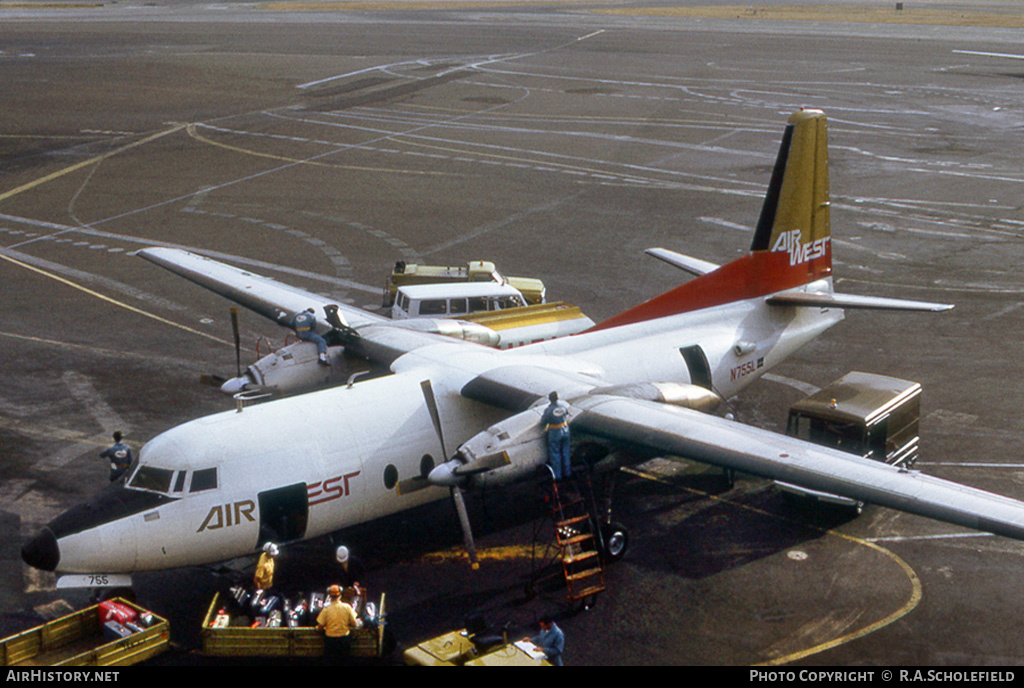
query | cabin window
[433, 307]
[205, 479]
[457, 306]
[390, 476]
[150, 478]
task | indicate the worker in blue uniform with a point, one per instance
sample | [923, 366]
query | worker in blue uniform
[556, 422]
[304, 324]
[551, 640]
[120, 456]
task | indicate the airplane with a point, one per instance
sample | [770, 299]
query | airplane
[444, 415]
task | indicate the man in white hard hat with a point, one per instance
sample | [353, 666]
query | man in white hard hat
[264, 577]
[351, 573]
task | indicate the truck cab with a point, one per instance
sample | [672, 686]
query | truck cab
[871, 416]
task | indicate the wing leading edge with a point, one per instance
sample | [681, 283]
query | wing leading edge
[262, 295]
[689, 434]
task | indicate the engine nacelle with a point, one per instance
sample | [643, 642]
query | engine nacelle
[457, 329]
[292, 369]
[506, 452]
[674, 393]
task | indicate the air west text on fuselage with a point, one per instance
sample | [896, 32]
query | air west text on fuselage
[226, 515]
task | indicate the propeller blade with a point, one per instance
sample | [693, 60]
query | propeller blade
[460, 503]
[435, 416]
[238, 342]
[467, 532]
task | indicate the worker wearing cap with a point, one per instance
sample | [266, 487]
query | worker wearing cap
[337, 621]
[264, 577]
[556, 421]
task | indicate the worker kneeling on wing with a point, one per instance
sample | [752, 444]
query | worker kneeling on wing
[337, 620]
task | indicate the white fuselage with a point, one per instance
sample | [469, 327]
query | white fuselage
[346, 448]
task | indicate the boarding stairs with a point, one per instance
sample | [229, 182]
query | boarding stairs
[576, 535]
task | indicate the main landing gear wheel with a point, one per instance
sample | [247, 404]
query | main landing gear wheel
[616, 541]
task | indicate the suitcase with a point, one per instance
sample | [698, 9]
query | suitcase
[115, 611]
[115, 631]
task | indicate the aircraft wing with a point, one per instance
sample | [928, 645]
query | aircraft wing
[675, 431]
[268, 297]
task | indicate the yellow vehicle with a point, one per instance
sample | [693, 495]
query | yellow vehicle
[462, 648]
[221, 638]
[78, 639]
[404, 274]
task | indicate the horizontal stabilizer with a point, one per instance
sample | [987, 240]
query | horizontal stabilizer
[694, 266]
[830, 300]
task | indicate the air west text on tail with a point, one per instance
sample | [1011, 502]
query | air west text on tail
[451, 415]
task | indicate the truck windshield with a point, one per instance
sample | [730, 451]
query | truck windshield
[844, 436]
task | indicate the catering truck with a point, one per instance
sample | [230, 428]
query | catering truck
[871, 416]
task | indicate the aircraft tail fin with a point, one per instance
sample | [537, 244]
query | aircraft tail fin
[792, 241]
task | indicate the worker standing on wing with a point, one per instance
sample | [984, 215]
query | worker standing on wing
[556, 421]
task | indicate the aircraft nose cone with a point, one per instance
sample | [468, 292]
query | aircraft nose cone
[41, 551]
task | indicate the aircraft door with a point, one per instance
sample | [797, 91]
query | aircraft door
[284, 513]
[697, 364]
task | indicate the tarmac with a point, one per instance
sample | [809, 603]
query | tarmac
[318, 143]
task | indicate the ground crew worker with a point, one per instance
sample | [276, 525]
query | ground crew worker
[556, 421]
[264, 577]
[337, 620]
[551, 640]
[304, 324]
[120, 456]
[350, 575]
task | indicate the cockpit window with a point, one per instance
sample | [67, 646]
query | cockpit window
[205, 479]
[150, 478]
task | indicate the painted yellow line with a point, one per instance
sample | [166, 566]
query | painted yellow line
[91, 161]
[458, 554]
[115, 302]
[908, 606]
[66, 345]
